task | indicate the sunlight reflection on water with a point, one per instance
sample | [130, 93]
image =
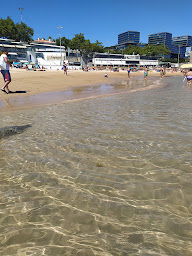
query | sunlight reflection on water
[108, 176]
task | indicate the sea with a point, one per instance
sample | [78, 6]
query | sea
[109, 174]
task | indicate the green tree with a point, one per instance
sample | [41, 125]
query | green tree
[156, 50]
[77, 42]
[131, 49]
[64, 42]
[97, 47]
[24, 33]
[86, 48]
[111, 49]
[164, 50]
[7, 28]
[18, 32]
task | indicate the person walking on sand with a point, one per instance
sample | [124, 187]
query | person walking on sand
[189, 77]
[5, 65]
[65, 68]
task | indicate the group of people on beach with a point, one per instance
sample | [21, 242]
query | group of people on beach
[35, 68]
[187, 73]
[5, 66]
[146, 72]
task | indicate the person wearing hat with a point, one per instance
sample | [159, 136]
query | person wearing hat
[5, 65]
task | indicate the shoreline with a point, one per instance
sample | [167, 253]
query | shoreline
[45, 88]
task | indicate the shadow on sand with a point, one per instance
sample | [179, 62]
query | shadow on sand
[17, 92]
[12, 130]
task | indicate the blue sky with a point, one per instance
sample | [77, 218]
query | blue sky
[102, 20]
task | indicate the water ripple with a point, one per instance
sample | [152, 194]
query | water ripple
[107, 176]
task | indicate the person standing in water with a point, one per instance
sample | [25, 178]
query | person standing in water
[162, 72]
[145, 73]
[189, 77]
[128, 71]
[5, 65]
[65, 68]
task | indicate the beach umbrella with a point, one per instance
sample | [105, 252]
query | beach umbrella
[189, 65]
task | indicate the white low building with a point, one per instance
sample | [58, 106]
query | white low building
[120, 60]
[40, 52]
[17, 50]
[48, 54]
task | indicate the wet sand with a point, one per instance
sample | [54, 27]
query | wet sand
[44, 87]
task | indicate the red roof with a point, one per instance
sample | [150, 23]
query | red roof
[44, 41]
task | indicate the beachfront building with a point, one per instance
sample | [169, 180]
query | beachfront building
[120, 60]
[129, 37]
[48, 54]
[18, 51]
[166, 39]
[39, 52]
[183, 41]
[74, 59]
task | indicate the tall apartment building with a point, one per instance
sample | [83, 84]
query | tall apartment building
[166, 39]
[183, 41]
[129, 37]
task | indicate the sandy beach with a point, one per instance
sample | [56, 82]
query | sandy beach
[37, 82]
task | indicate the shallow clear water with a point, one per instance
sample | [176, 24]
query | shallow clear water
[104, 176]
[77, 93]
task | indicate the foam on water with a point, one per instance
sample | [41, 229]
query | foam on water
[107, 176]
